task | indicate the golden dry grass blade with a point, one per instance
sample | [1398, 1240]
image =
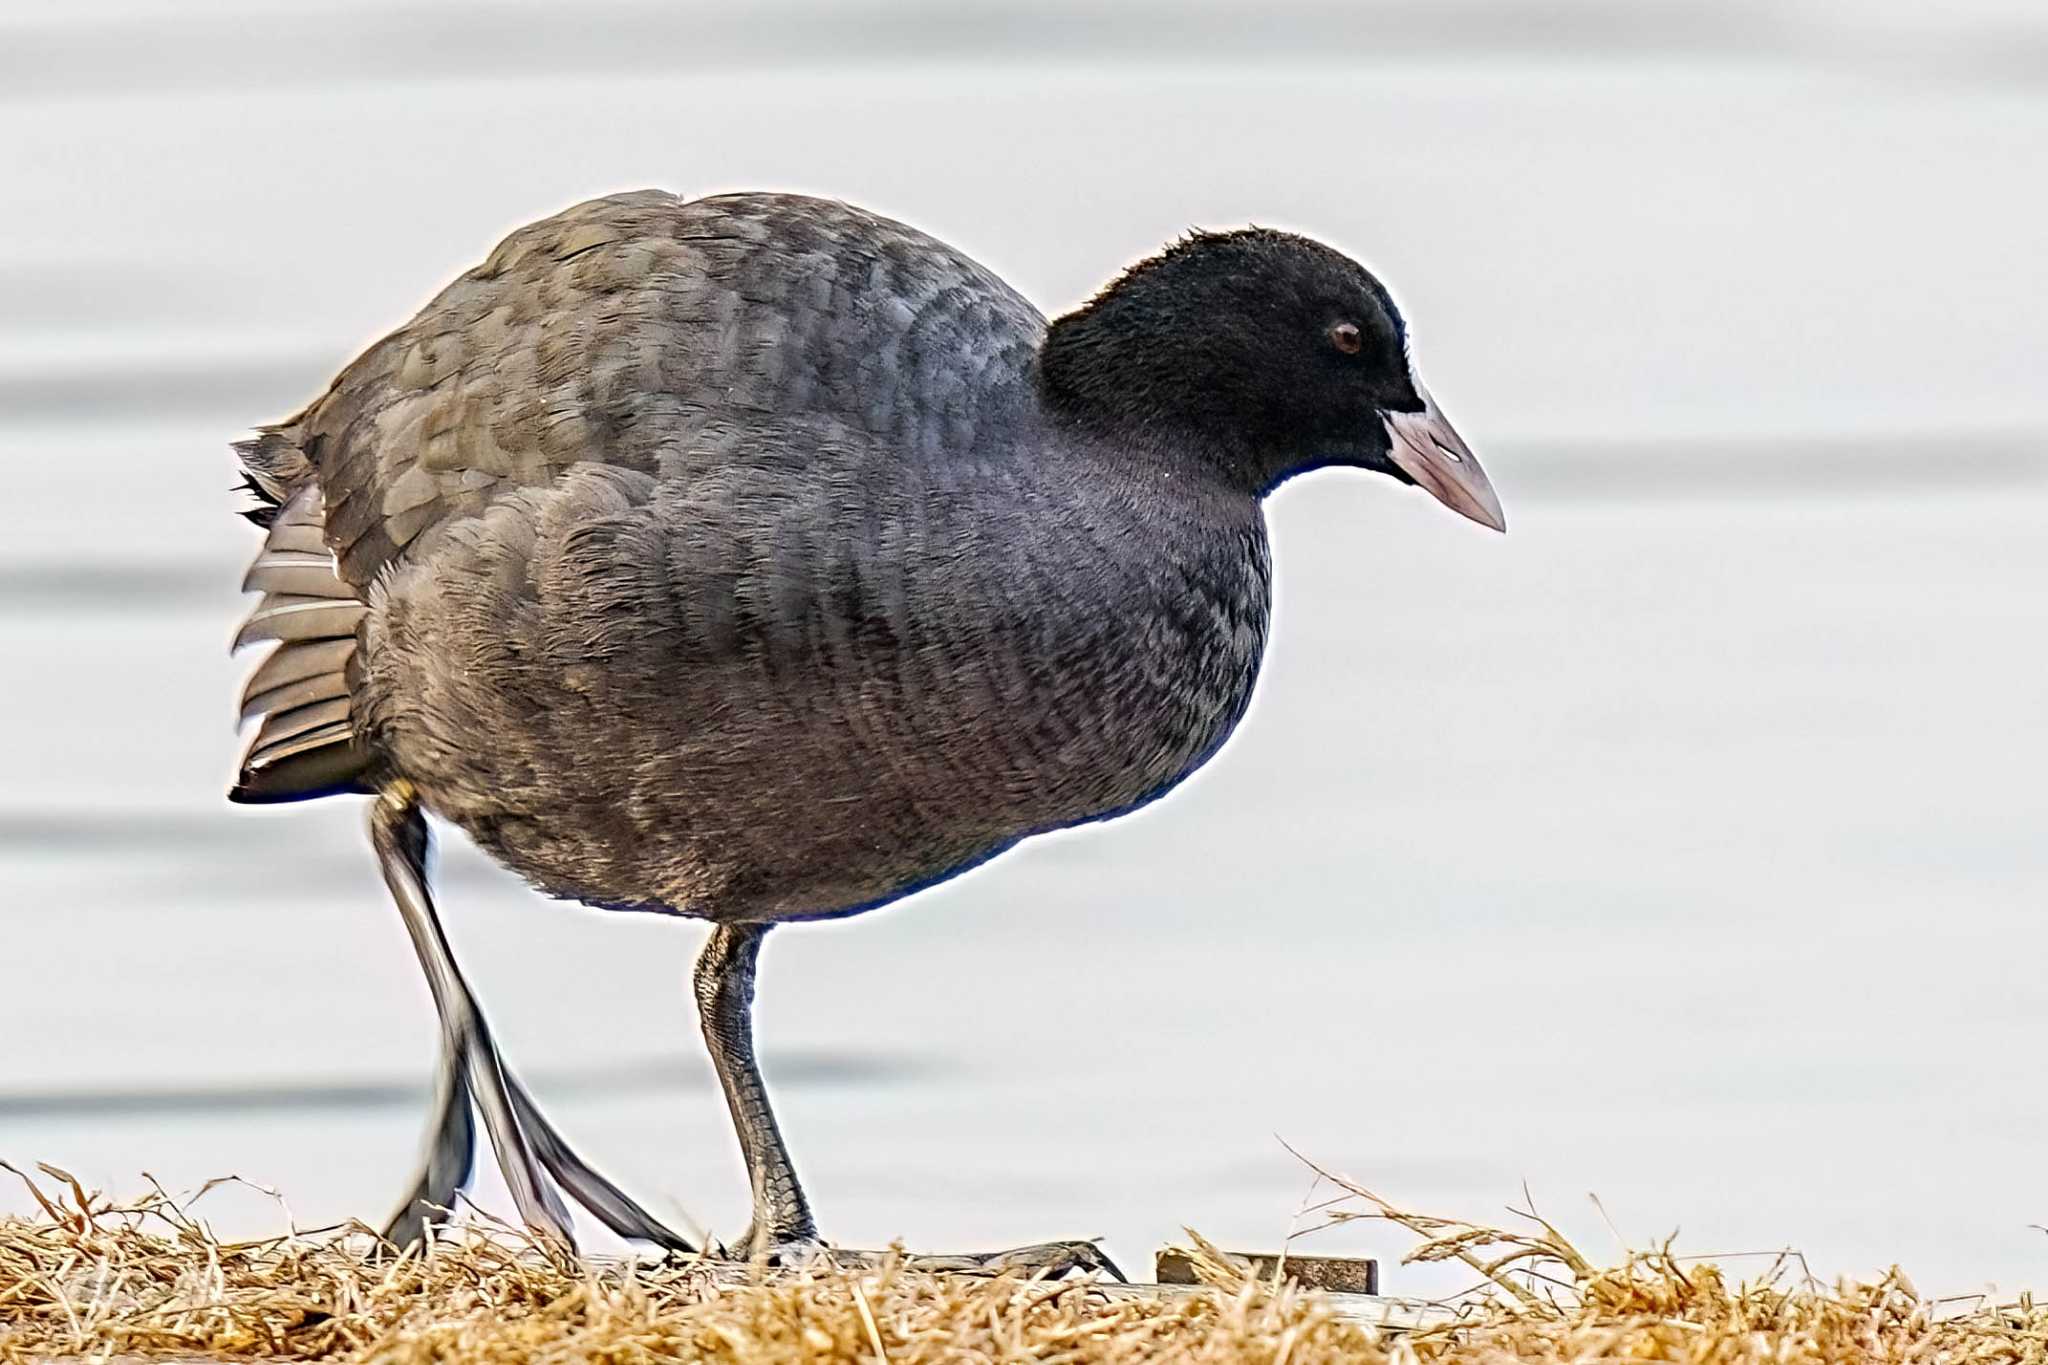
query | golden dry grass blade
[95, 1278]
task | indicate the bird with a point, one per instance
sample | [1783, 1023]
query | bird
[756, 558]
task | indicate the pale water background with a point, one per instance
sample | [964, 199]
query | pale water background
[1685, 847]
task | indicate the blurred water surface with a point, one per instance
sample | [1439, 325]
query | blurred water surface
[1683, 847]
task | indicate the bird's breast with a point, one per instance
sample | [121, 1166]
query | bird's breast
[1101, 694]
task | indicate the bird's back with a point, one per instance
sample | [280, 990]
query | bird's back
[617, 333]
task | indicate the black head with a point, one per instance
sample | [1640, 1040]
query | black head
[1268, 353]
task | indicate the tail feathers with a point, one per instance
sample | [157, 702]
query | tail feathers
[273, 469]
[304, 745]
[330, 770]
[265, 511]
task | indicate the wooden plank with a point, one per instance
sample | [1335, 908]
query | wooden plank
[1338, 1274]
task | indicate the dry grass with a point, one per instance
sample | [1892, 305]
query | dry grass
[98, 1278]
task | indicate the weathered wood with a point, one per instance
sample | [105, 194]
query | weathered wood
[1339, 1274]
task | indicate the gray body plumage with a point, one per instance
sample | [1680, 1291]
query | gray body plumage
[758, 558]
[725, 557]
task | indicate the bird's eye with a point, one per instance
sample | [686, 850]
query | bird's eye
[1346, 337]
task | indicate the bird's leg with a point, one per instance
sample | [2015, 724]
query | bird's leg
[724, 981]
[1049, 1259]
[782, 1228]
[469, 1062]
[528, 1149]
[451, 1153]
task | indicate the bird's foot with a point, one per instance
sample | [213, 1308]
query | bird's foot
[558, 1184]
[583, 1187]
[1043, 1260]
[792, 1253]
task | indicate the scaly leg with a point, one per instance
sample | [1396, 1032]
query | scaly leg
[782, 1228]
[724, 980]
[451, 1154]
[539, 1166]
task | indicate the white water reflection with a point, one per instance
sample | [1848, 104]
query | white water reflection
[1683, 847]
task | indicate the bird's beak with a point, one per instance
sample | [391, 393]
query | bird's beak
[1435, 456]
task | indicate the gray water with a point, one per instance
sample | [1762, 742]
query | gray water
[1683, 848]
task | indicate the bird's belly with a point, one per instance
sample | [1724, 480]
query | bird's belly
[787, 808]
[793, 783]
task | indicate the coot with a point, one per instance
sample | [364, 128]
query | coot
[756, 558]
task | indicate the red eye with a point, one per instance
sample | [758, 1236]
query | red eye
[1345, 337]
